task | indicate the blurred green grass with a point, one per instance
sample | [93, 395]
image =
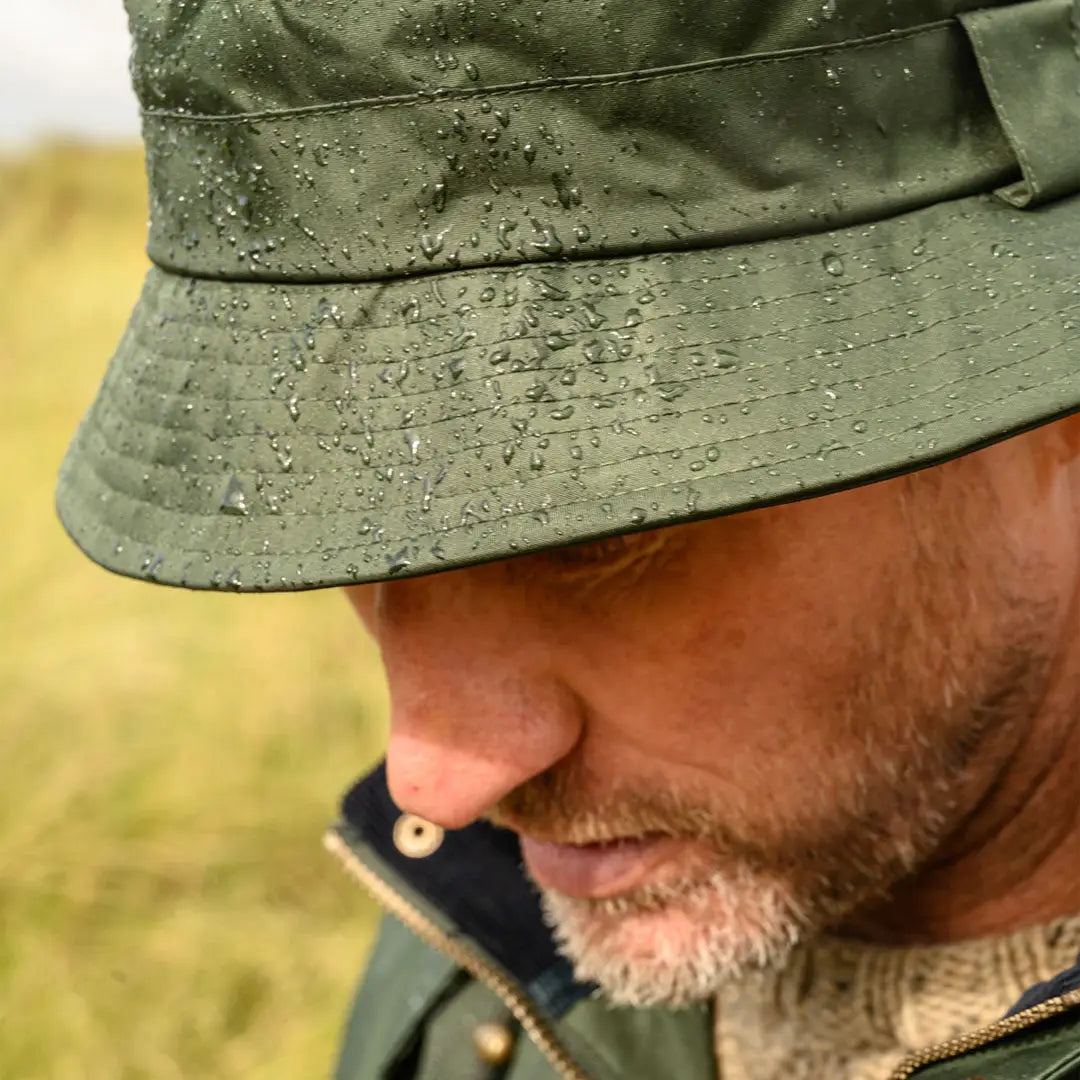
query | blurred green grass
[168, 760]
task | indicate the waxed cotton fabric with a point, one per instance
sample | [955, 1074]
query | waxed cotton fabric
[282, 436]
[450, 284]
[530, 171]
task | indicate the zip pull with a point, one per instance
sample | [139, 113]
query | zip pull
[984, 1036]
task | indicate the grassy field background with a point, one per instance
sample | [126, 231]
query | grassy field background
[168, 761]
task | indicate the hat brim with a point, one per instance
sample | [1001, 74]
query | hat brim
[259, 436]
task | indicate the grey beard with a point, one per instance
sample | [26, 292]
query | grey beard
[731, 927]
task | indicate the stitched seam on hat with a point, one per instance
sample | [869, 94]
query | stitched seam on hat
[866, 378]
[578, 82]
[579, 334]
[435, 532]
[404, 399]
[183, 280]
[199, 315]
[420, 536]
[400, 398]
[513, 270]
[566, 431]
[985, 66]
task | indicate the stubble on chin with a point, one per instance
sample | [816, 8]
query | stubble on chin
[744, 906]
[738, 907]
[731, 905]
[676, 946]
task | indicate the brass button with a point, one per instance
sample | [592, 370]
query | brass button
[416, 838]
[493, 1043]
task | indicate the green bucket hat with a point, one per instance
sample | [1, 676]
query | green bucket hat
[438, 283]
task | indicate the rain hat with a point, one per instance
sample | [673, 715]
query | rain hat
[437, 282]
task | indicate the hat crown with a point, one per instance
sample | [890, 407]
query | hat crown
[353, 140]
[248, 55]
[437, 285]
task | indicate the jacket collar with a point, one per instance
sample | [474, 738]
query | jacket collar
[477, 886]
[1063, 983]
[476, 883]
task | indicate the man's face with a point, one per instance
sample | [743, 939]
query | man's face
[718, 737]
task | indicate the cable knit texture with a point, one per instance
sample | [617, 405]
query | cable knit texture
[851, 1011]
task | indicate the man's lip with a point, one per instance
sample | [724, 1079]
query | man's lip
[597, 871]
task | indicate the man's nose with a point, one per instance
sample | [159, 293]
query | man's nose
[476, 706]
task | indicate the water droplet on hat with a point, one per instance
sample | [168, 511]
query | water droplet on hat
[234, 501]
[833, 264]
[548, 242]
[593, 317]
[549, 290]
[400, 562]
[151, 564]
[557, 340]
[432, 245]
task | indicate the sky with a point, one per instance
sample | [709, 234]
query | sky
[63, 71]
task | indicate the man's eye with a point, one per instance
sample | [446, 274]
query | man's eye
[612, 549]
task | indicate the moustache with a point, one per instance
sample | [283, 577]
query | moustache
[567, 806]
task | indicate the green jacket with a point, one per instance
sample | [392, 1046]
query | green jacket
[470, 987]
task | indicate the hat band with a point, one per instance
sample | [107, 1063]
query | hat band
[1029, 57]
[700, 155]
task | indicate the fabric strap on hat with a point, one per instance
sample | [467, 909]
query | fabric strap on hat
[1029, 56]
[694, 155]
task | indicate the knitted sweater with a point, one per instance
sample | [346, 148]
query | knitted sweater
[851, 1011]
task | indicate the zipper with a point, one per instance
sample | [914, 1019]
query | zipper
[540, 1033]
[534, 1025]
[975, 1040]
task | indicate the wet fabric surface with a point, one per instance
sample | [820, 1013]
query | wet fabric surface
[277, 437]
[448, 285]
